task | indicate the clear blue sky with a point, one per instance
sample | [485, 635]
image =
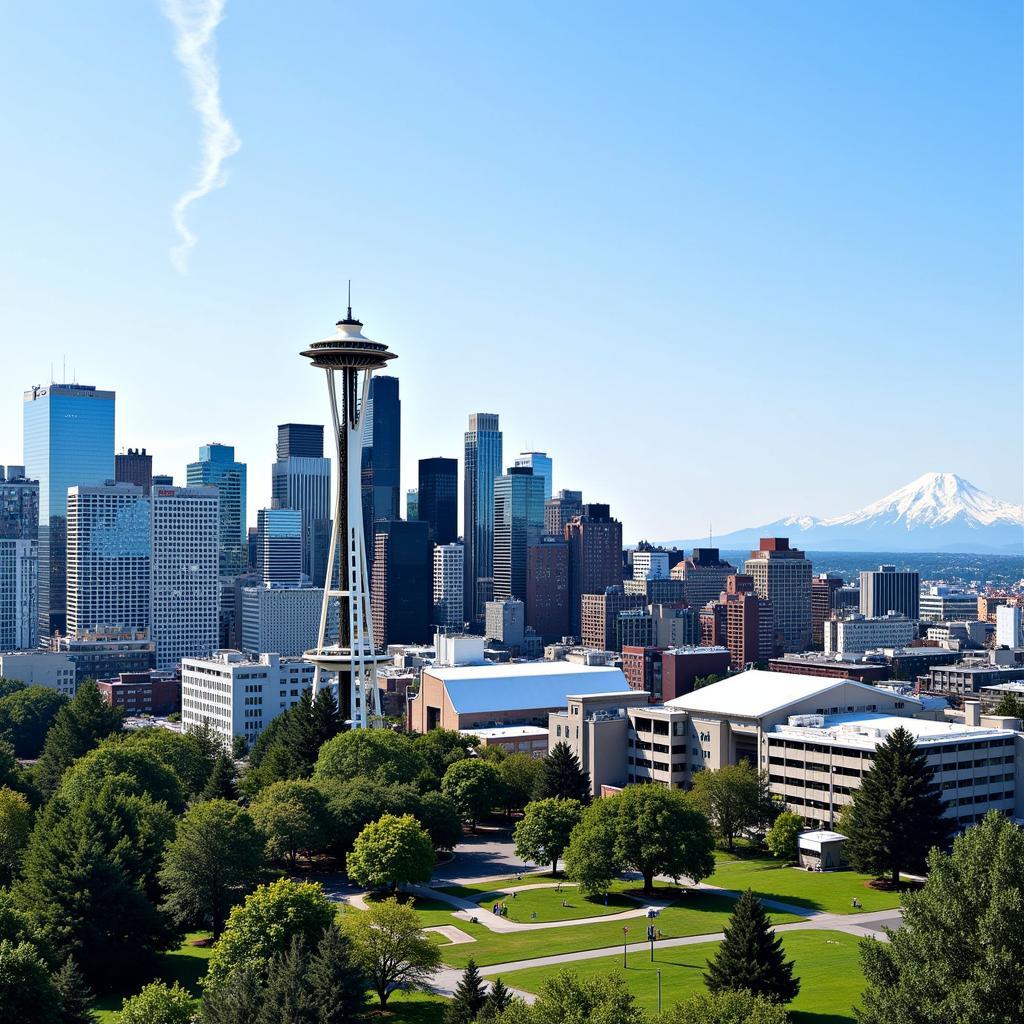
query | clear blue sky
[722, 262]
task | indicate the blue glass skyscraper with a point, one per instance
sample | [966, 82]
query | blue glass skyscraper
[482, 466]
[69, 442]
[382, 456]
[301, 479]
[540, 463]
[217, 467]
[518, 523]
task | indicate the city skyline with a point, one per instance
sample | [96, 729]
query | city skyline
[769, 216]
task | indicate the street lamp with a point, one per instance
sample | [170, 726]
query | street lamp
[625, 932]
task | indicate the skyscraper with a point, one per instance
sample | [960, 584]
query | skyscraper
[518, 523]
[885, 590]
[481, 467]
[547, 588]
[350, 659]
[217, 468]
[280, 547]
[134, 466]
[438, 498]
[412, 504]
[449, 571]
[540, 463]
[184, 573]
[782, 575]
[595, 557]
[301, 479]
[402, 584]
[823, 588]
[19, 505]
[382, 456]
[69, 441]
[19, 593]
[704, 575]
[108, 578]
[741, 621]
[559, 510]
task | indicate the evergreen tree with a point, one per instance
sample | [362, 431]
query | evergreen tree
[750, 957]
[563, 777]
[238, 1000]
[469, 998]
[78, 727]
[897, 813]
[221, 784]
[497, 1000]
[73, 994]
[286, 996]
[326, 719]
[338, 984]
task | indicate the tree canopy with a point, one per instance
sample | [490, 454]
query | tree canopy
[26, 715]
[542, 834]
[375, 753]
[783, 835]
[567, 999]
[735, 799]
[562, 776]
[474, 786]
[392, 851]
[293, 817]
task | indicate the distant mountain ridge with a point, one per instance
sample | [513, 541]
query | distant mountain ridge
[935, 512]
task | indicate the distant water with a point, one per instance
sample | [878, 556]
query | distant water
[968, 570]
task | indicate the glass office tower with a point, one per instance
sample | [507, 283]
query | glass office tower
[518, 523]
[381, 457]
[301, 479]
[481, 467]
[438, 498]
[279, 533]
[540, 463]
[217, 468]
[69, 442]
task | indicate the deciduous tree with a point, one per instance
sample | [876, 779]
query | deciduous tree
[474, 786]
[542, 834]
[27, 995]
[520, 775]
[567, 999]
[15, 826]
[726, 1008]
[376, 753]
[391, 851]
[26, 715]
[783, 835]
[158, 1003]
[750, 958]
[734, 798]
[293, 817]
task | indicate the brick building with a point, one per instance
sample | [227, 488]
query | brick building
[142, 693]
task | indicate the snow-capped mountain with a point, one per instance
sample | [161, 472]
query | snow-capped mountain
[935, 512]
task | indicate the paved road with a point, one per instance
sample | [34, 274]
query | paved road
[490, 854]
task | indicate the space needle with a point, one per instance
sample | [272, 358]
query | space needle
[349, 359]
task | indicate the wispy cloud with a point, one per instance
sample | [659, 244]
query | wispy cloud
[195, 23]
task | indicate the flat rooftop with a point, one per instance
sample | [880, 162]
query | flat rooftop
[507, 732]
[865, 731]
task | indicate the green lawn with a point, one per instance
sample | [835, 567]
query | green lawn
[830, 891]
[408, 1008]
[547, 905]
[431, 912]
[473, 890]
[185, 965]
[696, 913]
[826, 963]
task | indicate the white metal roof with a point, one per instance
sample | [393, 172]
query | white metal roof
[507, 732]
[866, 731]
[757, 693]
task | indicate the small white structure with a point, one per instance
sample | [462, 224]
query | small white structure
[820, 850]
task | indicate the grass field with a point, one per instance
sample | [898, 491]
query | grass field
[547, 905]
[826, 963]
[696, 913]
[473, 890]
[830, 891]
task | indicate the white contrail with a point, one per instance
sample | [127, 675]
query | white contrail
[195, 22]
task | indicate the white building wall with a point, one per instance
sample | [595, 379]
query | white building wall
[19, 594]
[1009, 626]
[449, 570]
[650, 565]
[40, 668]
[857, 635]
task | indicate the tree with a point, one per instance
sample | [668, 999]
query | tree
[10, 686]
[15, 826]
[286, 998]
[238, 1000]
[1010, 706]
[265, 924]
[520, 774]
[750, 957]
[76, 729]
[590, 856]
[393, 850]
[897, 814]
[89, 880]
[567, 999]
[221, 783]
[376, 753]
[497, 1001]
[158, 1003]
[439, 749]
[959, 955]
[391, 947]
[734, 798]
[186, 754]
[114, 758]
[709, 680]
[474, 786]
[440, 817]
[293, 817]
[26, 715]
[468, 999]
[782, 836]
[212, 863]
[27, 995]
[544, 830]
[726, 1007]
[337, 979]
[239, 746]
[562, 776]
[74, 997]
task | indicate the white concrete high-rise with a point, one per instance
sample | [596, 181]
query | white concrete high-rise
[449, 567]
[650, 565]
[185, 582]
[1009, 625]
[108, 571]
[19, 594]
[349, 360]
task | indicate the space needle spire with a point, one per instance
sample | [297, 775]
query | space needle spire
[349, 359]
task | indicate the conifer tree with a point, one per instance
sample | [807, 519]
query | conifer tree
[73, 994]
[497, 1000]
[563, 777]
[238, 1000]
[221, 783]
[286, 996]
[897, 813]
[336, 980]
[750, 958]
[469, 998]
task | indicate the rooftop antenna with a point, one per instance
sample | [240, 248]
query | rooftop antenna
[350, 298]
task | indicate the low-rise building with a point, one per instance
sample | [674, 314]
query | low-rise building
[964, 680]
[944, 604]
[107, 653]
[681, 667]
[830, 666]
[513, 739]
[143, 693]
[40, 668]
[857, 633]
[237, 695]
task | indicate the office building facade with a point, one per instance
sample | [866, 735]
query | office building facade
[1009, 625]
[437, 498]
[650, 565]
[19, 505]
[856, 633]
[280, 546]
[944, 604]
[184, 573]
[301, 479]
[547, 588]
[282, 620]
[600, 615]
[704, 574]
[559, 510]
[782, 575]
[481, 467]
[218, 468]
[449, 581]
[505, 622]
[108, 551]
[824, 587]
[381, 457]
[402, 584]
[540, 463]
[595, 558]
[518, 523]
[69, 441]
[885, 590]
[135, 466]
[19, 594]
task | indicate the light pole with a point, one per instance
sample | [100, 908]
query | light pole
[650, 936]
[659, 990]
[625, 932]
